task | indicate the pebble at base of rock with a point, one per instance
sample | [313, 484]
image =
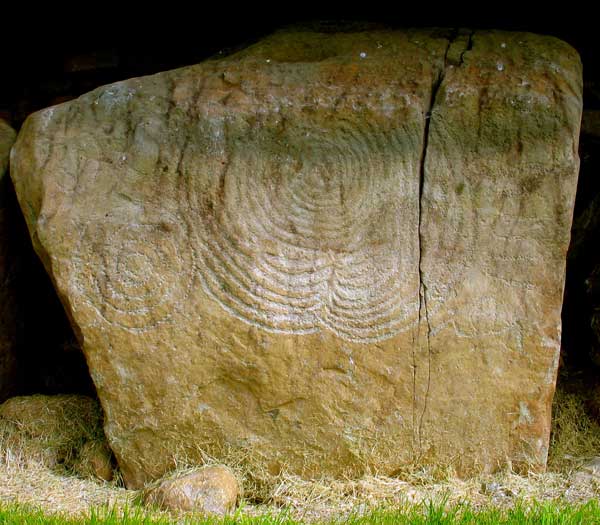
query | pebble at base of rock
[210, 490]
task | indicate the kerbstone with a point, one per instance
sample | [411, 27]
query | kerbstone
[328, 253]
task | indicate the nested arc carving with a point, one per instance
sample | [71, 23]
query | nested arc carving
[316, 230]
[317, 233]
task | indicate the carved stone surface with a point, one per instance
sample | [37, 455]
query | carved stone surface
[499, 189]
[8, 260]
[326, 253]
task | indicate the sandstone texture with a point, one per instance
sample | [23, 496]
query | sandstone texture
[8, 292]
[209, 490]
[327, 253]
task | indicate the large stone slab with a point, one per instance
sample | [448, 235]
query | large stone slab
[8, 291]
[329, 252]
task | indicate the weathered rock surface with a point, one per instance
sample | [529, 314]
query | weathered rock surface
[327, 252]
[209, 490]
[499, 188]
[8, 300]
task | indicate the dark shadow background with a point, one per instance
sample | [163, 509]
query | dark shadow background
[59, 54]
[66, 53]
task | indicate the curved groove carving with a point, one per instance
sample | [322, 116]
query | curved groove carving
[300, 234]
[135, 275]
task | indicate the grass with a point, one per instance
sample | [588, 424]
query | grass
[548, 513]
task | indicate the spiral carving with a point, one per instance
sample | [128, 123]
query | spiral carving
[135, 276]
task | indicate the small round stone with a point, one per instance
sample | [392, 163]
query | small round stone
[208, 490]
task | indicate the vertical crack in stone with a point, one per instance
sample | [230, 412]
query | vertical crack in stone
[422, 288]
[457, 45]
[468, 47]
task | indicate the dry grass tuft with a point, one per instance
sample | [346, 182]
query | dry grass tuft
[58, 492]
[40, 439]
[47, 430]
[575, 437]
